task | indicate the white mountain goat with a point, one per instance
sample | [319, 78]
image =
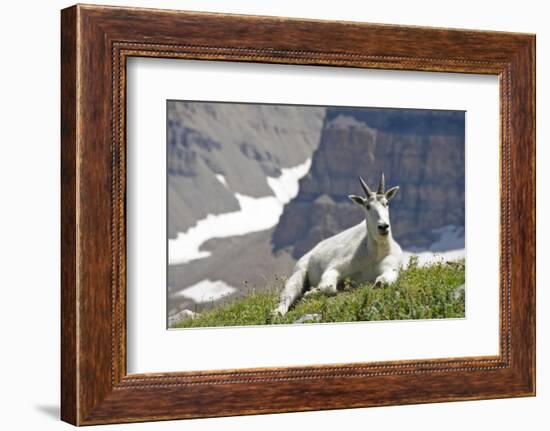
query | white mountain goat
[365, 253]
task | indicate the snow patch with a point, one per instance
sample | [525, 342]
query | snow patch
[207, 290]
[451, 238]
[287, 185]
[221, 179]
[448, 247]
[427, 258]
[254, 215]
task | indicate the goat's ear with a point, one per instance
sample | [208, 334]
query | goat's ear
[358, 200]
[391, 192]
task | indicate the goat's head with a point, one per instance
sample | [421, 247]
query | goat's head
[376, 205]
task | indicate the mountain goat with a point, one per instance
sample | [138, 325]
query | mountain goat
[365, 252]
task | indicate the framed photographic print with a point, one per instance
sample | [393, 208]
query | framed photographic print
[263, 215]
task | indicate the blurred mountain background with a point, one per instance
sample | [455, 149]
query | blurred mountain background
[420, 151]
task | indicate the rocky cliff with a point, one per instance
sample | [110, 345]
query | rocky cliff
[218, 149]
[421, 151]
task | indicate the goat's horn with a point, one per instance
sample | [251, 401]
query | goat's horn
[365, 187]
[381, 184]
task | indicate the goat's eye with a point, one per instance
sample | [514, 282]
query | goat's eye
[367, 207]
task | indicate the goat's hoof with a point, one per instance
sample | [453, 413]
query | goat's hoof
[312, 292]
[379, 283]
[278, 312]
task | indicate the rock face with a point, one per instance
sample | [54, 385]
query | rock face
[421, 151]
[218, 149]
[174, 319]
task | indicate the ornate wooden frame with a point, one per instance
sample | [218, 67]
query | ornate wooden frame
[95, 43]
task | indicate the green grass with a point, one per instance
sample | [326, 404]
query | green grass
[419, 293]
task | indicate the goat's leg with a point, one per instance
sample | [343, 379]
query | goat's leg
[328, 283]
[294, 287]
[386, 278]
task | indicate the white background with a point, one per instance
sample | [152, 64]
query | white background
[151, 348]
[29, 228]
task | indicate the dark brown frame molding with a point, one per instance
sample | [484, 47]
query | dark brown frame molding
[95, 43]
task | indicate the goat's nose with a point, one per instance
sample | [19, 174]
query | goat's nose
[383, 227]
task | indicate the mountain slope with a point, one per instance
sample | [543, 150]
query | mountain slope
[218, 149]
